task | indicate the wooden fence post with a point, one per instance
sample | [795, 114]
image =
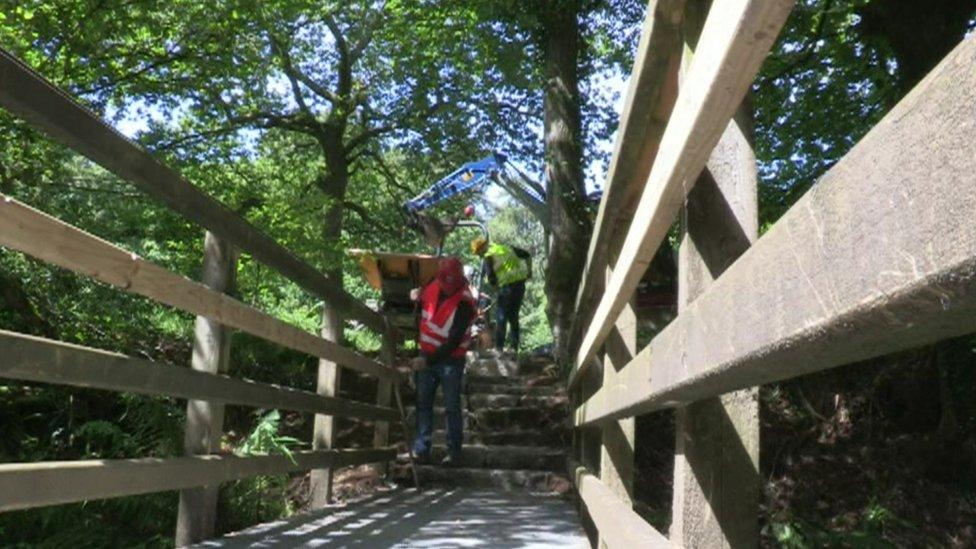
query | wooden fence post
[716, 480]
[205, 419]
[617, 437]
[320, 482]
[384, 395]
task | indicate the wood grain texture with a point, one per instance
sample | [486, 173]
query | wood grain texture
[30, 358]
[616, 520]
[879, 256]
[735, 40]
[39, 235]
[52, 111]
[28, 485]
[651, 94]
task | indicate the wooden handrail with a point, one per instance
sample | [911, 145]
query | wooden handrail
[736, 38]
[47, 108]
[874, 259]
[651, 94]
[51, 240]
[27, 485]
[617, 522]
[29, 358]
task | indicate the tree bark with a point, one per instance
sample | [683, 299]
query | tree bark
[333, 183]
[569, 222]
[920, 33]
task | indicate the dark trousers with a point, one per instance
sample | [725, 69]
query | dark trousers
[507, 313]
[449, 376]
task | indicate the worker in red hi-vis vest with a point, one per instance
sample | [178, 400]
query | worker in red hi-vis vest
[447, 309]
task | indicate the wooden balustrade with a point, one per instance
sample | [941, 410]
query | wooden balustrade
[206, 387]
[878, 257]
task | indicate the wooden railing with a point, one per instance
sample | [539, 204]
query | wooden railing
[878, 257]
[28, 358]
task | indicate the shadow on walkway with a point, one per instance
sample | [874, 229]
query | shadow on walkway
[435, 518]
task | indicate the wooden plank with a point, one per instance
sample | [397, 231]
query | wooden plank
[716, 453]
[736, 38]
[29, 358]
[618, 524]
[28, 485]
[197, 511]
[384, 397]
[617, 438]
[323, 431]
[49, 109]
[879, 256]
[651, 93]
[37, 234]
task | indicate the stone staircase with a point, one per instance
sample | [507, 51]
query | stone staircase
[516, 428]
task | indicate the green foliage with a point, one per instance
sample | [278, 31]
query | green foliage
[869, 531]
[259, 499]
[265, 440]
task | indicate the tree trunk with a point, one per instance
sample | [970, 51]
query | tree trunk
[920, 33]
[570, 225]
[333, 184]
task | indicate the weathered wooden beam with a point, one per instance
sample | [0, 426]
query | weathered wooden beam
[328, 378]
[617, 438]
[27, 485]
[879, 256]
[618, 524]
[51, 110]
[735, 40]
[384, 397]
[29, 358]
[716, 487]
[37, 234]
[196, 518]
[651, 93]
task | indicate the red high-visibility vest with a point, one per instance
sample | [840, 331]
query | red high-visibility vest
[435, 325]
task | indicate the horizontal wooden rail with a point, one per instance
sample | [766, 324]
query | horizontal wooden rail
[51, 110]
[27, 485]
[37, 234]
[878, 257]
[735, 40]
[29, 358]
[650, 98]
[616, 520]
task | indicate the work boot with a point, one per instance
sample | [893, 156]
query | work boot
[451, 461]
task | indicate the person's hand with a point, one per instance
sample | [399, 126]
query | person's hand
[415, 294]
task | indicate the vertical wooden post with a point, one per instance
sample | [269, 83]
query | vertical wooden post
[324, 430]
[716, 480]
[384, 395]
[204, 419]
[617, 437]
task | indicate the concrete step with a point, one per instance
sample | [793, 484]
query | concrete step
[534, 458]
[518, 381]
[482, 388]
[504, 400]
[484, 401]
[503, 479]
[499, 419]
[511, 437]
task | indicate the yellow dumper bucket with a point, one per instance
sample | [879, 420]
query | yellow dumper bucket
[394, 275]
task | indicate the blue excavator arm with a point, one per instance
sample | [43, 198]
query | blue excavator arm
[493, 168]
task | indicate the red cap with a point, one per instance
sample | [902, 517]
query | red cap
[450, 275]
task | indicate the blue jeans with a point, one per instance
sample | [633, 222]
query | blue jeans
[449, 376]
[507, 312]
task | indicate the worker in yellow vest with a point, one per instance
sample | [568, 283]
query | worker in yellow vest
[507, 268]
